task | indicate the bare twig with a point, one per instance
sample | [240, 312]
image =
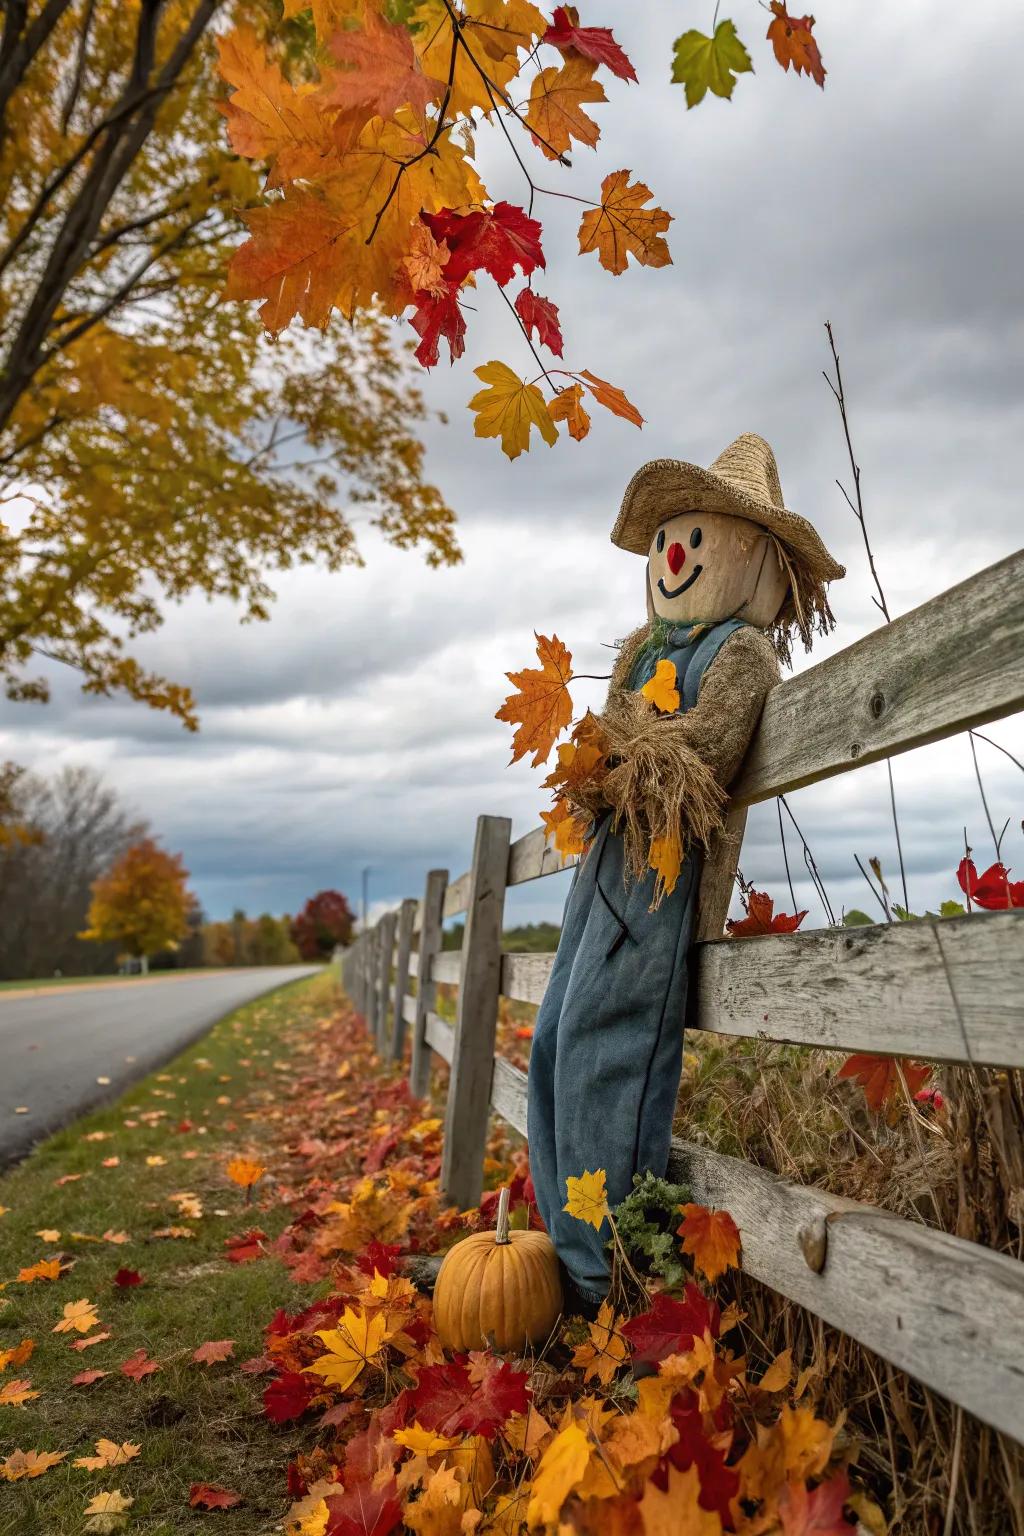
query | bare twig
[876, 894]
[785, 855]
[810, 863]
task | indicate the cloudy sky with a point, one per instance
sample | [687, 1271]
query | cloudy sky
[356, 728]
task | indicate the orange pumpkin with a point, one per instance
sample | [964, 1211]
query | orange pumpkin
[498, 1287]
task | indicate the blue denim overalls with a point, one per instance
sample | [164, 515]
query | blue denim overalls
[608, 1043]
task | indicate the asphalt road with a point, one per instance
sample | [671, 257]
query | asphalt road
[54, 1046]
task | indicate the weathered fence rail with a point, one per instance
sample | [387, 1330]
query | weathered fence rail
[948, 1311]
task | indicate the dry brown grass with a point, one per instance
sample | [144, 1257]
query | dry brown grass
[937, 1470]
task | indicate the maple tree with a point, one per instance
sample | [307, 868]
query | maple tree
[324, 922]
[374, 197]
[142, 902]
[152, 442]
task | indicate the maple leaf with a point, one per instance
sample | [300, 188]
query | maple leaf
[126, 1278]
[21, 1464]
[595, 43]
[106, 1511]
[761, 918]
[44, 1269]
[17, 1392]
[567, 406]
[508, 407]
[662, 691]
[365, 1510]
[622, 227]
[541, 705]
[78, 1315]
[245, 1171]
[423, 1442]
[600, 1356]
[992, 890]
[475, 1396]
[560, 823]
[779, 1373]
[385, 73]
[94, 1338]
[439, 1509]
[17, 1354]
[711, 1238]
[560, 1469]
[665, 857]
[86, 1378]
[494, 240]
[817, 1513]
[214, 1350]
[676, 1511]
[611, 397]
[438, 314]
[287, 1396]
[719, 1484]
[245, 1248]
[703, 64]
[493, 30]
[555, 113]
[211, 1496]
[269, 119]
[879, 1076]
[108, 1454]
[425, 260]
[139, 1365]
[540, 315]
[671, 1325]
[588, 1198]
[794, 43]
[356, 1341]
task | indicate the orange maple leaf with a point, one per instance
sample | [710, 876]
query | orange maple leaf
[711, 1238]
[17, 1355]
[555, 113]
[762, 918]
[622, 227]
[567, 406]
[385, 73]
[560, 823]
[16, 1392]
[268, 118]
[245, 1171]
[794, 43]
[611, 397]
[21, 1464]
[45, 1269]
[213, 1350]
[665, 857]
[541, 705]
[879, 1076]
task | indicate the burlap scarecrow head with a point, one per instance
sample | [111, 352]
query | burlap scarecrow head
[721, 544]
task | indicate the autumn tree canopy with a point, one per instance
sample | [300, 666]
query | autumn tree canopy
[142, 903]
[325, 921]
[153, 443]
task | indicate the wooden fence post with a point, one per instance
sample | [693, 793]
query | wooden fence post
[430, 944]
[406, 918]
[370, 1011]
[385, 954]
[469, 1087]
[718, 876]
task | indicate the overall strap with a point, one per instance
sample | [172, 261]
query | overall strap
[706, 650]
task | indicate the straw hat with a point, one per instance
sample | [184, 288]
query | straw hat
[742, 482]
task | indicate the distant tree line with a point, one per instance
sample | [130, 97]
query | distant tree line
[538, 938]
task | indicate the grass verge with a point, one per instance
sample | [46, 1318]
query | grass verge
[172, 1135]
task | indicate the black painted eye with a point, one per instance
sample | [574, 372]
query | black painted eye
[660, 545]
[695, 538]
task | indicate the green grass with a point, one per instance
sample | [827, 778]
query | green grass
[195, 1423]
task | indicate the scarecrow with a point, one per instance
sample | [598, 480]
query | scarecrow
[731, 575]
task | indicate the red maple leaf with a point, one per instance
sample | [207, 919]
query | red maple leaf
[794, 43]
[363, 1510]
[243, 1249]
[593, 42]
[760, 918]
[992, 890]
[127, 1277]
[210, 1496]
[437, 314]
[213, 1350]
[370, 1453]
[475, 1394]
[379, 1258]
[718, 1483]
[816, 1514]
[138, 1365]
[671, 1326]
[880, 1079]
[494, 240]
[287, 1396]
[540, 315]
[86, 1378]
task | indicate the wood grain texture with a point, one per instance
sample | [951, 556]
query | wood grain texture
[430, 943]
[457, 896]
[385, 960]
[508, 1094]
[947, 1311]
[532, 856]
[718, 875]
[465, 1130]
[524, 977]
[910, 682]
[447, 967]
[371, 1011]
[403, 948]
[949, 989]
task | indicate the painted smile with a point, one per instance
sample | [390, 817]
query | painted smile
[677, 590]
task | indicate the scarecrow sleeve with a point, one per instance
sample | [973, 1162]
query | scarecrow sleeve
[673, 771]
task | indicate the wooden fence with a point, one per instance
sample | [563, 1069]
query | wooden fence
[948, 1311]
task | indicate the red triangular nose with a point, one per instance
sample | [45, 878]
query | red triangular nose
[676, 558]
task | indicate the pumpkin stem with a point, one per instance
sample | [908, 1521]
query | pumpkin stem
[501, 1230]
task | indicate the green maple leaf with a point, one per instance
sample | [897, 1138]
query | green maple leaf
[703, 64]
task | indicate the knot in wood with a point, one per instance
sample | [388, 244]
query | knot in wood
[876, 704]
[813, 1240]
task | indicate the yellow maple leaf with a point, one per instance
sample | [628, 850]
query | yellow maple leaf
[245, 1171]
[555, 113]
[779, 1374]
[601, 1355]
[45, 1269]
[569, 834]
[588, 1198]
[21, 1464]
[567, 406]
[662, 690]
[424, 1442]
[676, 1512]
[560, 1469]
[108, 1454]
[541, 707]
[493, 33]
[665, 857]
[356, 1341]
[79, 1315]
[508, 407]
[106, 1512]
[49, 1234]
[440, 1508]
[621, 227]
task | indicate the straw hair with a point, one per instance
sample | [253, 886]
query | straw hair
[742, 482]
